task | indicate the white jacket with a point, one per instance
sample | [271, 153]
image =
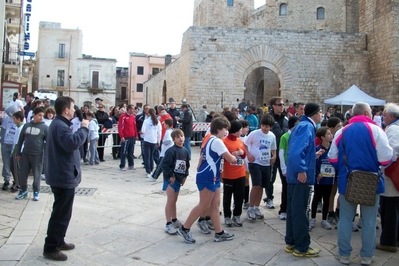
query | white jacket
[392, 132]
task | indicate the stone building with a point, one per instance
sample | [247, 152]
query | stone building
[61, 67]
[143, 67]
[306, 50]
[122, 83]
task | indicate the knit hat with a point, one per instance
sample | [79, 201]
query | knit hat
[311, 109]
[235, 126]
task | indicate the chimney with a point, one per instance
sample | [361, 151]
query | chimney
[168, 59]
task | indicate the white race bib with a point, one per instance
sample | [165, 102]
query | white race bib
[264, 155]
[327, 170]
[180, 167]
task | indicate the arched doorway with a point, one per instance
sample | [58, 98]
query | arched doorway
[261, 85]
[268, 64]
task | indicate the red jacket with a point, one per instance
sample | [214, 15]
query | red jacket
[127, 126]
[162, 117]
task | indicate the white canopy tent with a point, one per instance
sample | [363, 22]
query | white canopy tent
[354, 95]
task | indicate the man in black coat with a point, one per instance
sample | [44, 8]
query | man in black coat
[173, 112]
[63, 174]
[279, 128]
[187, 127]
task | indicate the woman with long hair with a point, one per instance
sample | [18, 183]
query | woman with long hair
[151, 130]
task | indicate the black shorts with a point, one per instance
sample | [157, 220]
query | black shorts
[260, 175]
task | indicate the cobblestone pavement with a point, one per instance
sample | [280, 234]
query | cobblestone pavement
[122, 222]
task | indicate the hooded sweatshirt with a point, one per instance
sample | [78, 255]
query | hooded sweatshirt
[33, 137]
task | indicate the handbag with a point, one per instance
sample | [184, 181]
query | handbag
[361, 186]
[392, 171]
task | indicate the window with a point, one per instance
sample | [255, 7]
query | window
[60, 78]
[230, 2]
[139, 87]
[283, 10]
[61, 50]
[155, 70]
[94, 79]
[123, 93]
[320, 13]
[140, 70]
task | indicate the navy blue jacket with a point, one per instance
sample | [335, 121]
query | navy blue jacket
[62, 157]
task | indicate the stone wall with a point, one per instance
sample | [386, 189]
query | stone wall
[310, 65]
[379, 21]
[216, 13]
[352, 16]
[301, 15]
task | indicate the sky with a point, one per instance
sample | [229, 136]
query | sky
[113, 29]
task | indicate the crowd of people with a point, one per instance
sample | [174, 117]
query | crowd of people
[244, 149]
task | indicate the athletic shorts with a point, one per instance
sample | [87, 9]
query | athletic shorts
[260, 175]
[211, 186]
[176, 186]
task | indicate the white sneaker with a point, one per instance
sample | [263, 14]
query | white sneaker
[282, 216]
[325, 225]
[43, 177]
[177, 224]
[258, 214]
[170, 229]
[149, 176]
[270, 204]
[343, 260]
[312, 224]
[251, 214]
[319, 207]
[367, 260]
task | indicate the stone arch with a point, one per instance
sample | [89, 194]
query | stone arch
[264, 56]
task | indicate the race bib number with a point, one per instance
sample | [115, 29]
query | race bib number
[221, 165]
[180, 167]
[265, 155]
[327, 170]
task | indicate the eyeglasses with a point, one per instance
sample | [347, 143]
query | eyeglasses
[279, 104]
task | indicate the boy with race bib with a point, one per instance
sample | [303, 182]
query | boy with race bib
[175, 167]
[325, 174]
[261, 144]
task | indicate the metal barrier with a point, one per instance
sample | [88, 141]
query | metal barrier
[199, 130]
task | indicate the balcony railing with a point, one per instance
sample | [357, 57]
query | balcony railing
[61, 56]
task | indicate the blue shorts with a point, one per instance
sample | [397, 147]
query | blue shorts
[260, 175]
[176, 186]
[211, 186]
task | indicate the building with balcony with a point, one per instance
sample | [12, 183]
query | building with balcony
[122, 82]
[143, 67]
[61, 67]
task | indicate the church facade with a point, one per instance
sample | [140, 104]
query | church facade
[307, 50]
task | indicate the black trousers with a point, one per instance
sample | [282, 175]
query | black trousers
[60, 217]
[283, 205]
[101, 142]
[269, 190]
[235, 188]
[321, 192]
[389, 221]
